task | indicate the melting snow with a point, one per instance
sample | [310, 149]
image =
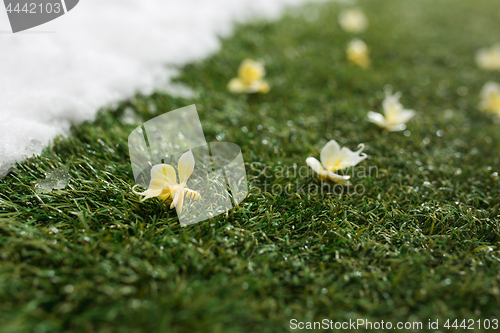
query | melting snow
[55, 180]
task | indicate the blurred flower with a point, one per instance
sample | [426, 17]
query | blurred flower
[164, 183]
[334, 159]
[490, 98]
[395, 116]
[489, 58]
[250, 78]
[353, 20]
[357, 53]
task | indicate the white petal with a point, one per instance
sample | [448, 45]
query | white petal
[403, 116]
[396, 128]
[353, 20]
[150, 192]
[391, 103]
[164, 172]
[316, 166]
[490, 88]
[186, 166]
[330, 154]
[157, 184]
[178, 197]
[343, 180]
[377, 118]
[349, 158]
[179, 205]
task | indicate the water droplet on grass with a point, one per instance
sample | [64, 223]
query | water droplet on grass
[55, 180]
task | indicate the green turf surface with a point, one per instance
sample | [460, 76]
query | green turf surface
[421, 242]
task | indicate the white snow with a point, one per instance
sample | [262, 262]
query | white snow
[101, 52]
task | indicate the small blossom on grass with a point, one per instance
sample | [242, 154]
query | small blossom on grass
[490, 98]
[164, 183]
[395, 116]
[358, 53]
[333, 159]
[250, 78]
[489, 58]
[353, 20]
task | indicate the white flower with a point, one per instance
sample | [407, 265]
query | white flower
[489, 58]
[353, 20]
[334, 159]
[250, 78]
[358, 53]
[395, 116]
[490, 98]
[164, 183]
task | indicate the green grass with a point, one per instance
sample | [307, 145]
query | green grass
[421, 243]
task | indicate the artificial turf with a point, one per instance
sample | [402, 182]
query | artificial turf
[419, 242]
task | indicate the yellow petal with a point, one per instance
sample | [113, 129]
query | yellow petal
[489, 58]
[490, 97]
[236, 85]
[164, 172]
[263, 87]
[251, 70]
[357, 53]
[165, 195]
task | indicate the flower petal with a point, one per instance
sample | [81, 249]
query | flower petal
[263, 87]
[330, 154]
[165, 195]
[377, 118]
[179, 205]
[396, 128]
[342, 180]
[186, 166]
[236, 85]
[316, 166]
[164, 172]
[349, 158]
[251, 70]
[149, 193]
[391, 105]
[178, 197]
[404, 116]
[490, 97]
[353, 20]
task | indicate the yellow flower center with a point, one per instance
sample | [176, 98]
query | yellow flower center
[391, 115]
[335, 166]
[250, 73]
[494, 102]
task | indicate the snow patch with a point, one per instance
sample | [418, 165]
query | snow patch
[102, 52]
